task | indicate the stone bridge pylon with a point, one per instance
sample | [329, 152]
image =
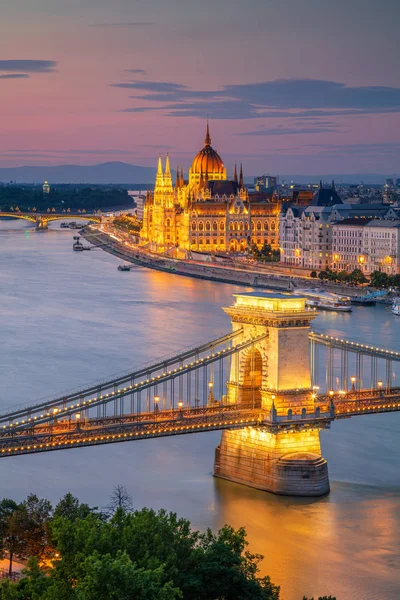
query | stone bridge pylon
[273, 375]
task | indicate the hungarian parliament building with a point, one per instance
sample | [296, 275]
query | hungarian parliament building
[207, 212]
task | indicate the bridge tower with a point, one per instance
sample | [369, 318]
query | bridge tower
[283, 454]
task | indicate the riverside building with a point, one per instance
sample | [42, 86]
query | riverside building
[367, 244]
[306, 232]
[208, 212]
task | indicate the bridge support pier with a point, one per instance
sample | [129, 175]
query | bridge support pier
[283, 455]
[41, 225]
[287, 463]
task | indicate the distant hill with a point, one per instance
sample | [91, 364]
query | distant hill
[109, 172]
[345, 178]
[124, 173]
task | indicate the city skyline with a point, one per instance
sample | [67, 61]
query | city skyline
[289, 87]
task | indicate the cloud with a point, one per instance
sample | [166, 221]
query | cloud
[28, 66]
[166, 88]
[15, 76]
[136, 71]
[281, 98]
[317, 128]
[67, 152]
[124, 25]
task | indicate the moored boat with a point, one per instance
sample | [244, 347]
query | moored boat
[317, 298]
[396, 307]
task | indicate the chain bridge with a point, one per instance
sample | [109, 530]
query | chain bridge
[42, 219]
[271, 385]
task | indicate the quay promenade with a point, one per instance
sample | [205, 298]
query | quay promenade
[264, 276]
[237, 275]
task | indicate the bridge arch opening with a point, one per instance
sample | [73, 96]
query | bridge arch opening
[252, 378]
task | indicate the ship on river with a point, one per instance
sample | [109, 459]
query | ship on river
[317, 298]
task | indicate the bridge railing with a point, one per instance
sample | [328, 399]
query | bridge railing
[190, 380]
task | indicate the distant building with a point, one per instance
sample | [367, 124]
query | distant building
[305, 233]
[368, 244]
[265, 182]
[139, 198]
[46, 188]
[207, 212]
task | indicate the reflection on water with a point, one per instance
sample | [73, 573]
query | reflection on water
[68, 319]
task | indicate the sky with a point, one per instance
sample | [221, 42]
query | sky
[289, 86]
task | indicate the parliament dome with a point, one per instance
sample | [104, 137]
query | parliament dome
[207, 162]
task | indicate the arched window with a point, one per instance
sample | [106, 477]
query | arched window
[273, 226]
[200, 241]
[168, 222]
[201, 226]
[193, 225]
[222, 226]
[246, 226]
[230, 226]
[208, 226]
[253, 226]
[215, 226]
[241, 226]
[236, 226]
[266, 225]
[258, 225]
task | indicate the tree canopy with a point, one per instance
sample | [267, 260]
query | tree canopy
[80, 553]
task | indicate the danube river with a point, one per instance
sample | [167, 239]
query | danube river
[68, 319]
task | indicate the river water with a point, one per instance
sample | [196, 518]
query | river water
[68, 319]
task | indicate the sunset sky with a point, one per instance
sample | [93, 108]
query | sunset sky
[290, 86]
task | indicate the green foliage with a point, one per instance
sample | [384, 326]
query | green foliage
[62, 198]
[356, 276]
[140, 555]
[265, 254]
[128, 223]
[313, 274]
[382, 280]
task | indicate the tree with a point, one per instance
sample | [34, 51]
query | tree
[10, 531]
[379, 279]
[108, 578]
[120, 498]
[35, 516]
[70, 508]
[313, 274]
[357, 277]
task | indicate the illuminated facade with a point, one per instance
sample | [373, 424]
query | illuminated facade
[208, 212]
[274, 460]
[367, 244]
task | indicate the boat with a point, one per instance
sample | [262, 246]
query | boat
[317, 298]
[124, 268]
[368, 299]
[396, 307]
[77, 246]
[364, 300]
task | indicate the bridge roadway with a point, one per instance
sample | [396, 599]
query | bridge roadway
[74, 401]
[65, 433]
[35, 217]
[69, 421]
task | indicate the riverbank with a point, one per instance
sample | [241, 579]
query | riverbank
[211, 271]
[263, 276]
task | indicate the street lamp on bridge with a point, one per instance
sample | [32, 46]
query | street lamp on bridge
[353, 383]
[156, 401]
